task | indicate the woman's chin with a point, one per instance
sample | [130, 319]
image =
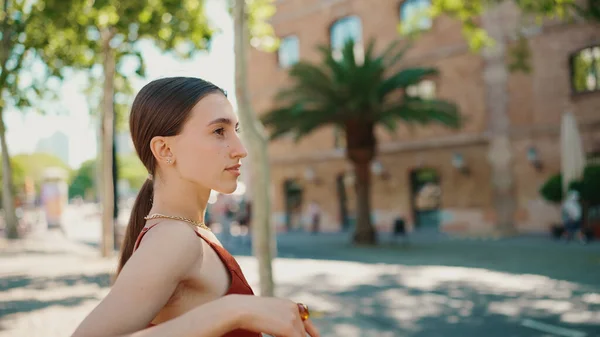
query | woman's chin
[227, 188]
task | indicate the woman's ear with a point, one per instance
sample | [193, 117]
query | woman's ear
[160, 149]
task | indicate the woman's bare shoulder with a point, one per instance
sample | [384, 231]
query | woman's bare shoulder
[168, 230]
[172, 241]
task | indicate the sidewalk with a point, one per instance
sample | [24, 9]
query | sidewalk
[537, 255]
[430, 286]
[48, 284]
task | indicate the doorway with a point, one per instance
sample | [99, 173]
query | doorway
[292, 192]
[426, 197]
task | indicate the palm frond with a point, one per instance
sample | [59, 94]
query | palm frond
[395, 52]
[338, 73]
[296, 118]
[369, 58]
[311, 124]
[291, 95]
[403, 79]
[310, 81]
[339, 90]
[389, 122]
[418, 111]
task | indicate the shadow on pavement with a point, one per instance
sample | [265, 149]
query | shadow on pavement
[40, 283]
[412, 301]
[28, 289]
[25, 252]
[537, 256]
[29, 305]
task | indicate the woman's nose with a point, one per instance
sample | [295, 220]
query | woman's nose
[238, 150]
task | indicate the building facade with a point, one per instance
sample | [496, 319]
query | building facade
[468, 180]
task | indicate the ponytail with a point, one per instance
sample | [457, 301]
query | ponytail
[141, 208]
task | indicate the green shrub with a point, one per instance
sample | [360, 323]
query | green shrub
[551, 191]
[590, 188]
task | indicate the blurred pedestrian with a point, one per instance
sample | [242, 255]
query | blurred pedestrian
[314, 213]
[572, 217]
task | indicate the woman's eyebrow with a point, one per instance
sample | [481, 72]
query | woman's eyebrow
[221, 121]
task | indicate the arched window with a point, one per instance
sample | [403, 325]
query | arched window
[414, 16]
[585, 70]
[289, 51]
[344, 29]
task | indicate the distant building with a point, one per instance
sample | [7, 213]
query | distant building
[57, 144]
[434, 176]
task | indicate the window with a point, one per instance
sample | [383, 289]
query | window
[289, 51]
[414, 16]
[585, 70]
[424, 90]
[344, 29]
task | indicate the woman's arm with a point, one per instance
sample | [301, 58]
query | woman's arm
[274, 316]
[168, 252]
[213, 319]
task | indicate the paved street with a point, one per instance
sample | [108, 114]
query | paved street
[429, 286]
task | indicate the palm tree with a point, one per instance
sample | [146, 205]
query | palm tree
[356, 97]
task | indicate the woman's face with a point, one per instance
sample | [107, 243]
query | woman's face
[208, 151]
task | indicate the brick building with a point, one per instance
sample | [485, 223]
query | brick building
[473, 179]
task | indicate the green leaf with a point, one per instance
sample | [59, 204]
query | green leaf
[262, 34]
[466, 11]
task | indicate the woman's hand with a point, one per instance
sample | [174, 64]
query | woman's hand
[274, 316]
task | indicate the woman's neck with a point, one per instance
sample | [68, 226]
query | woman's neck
[180, 199]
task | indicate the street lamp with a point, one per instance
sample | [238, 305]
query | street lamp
[533, 158]
[311, 176]
[459, 163]
[378, 169]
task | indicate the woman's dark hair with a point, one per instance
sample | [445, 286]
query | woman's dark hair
[161, 108]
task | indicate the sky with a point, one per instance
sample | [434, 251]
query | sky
[24, 130]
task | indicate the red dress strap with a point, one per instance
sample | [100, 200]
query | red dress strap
[141, 235]
[238, 285]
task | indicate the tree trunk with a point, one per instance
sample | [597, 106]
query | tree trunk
[364, 233]
[106, 144]
[8, 202]
[263, 239]
[500, 151]
[115, 179]
[361, 145]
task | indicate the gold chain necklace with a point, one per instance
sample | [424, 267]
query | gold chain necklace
[159, 216]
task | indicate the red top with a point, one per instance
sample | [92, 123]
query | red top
[238, 285]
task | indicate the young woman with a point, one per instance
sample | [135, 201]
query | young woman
[174, 277]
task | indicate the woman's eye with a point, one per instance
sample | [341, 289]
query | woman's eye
[220, 131]
[238, 130]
